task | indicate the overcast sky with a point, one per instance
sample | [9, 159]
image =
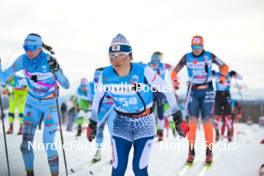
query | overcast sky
[81, 32]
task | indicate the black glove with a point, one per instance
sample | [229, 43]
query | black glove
[91, 130]
[54, 65]
[180, 124]
[34, 78]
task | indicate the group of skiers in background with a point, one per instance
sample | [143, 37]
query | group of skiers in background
[133, 116]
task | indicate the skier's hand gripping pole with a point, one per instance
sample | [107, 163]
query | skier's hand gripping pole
[180, 124]
[91, 130]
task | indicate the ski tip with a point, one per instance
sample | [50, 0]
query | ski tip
[91, 172]
[208, 165]
[189, 164]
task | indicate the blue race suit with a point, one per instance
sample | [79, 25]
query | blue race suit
[200, 74]
[41, 101]
[134, 123]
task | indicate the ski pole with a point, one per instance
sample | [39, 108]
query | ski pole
[189, 89]
[61, 134]
[241, 96]
[58, 111]
[3, 125]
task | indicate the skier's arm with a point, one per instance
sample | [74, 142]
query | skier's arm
[58, 73]
[98, 97]
[174, 72]
[157, 82]
[234, 74]
[16, 66]
[62, 79]
[180, 65]
[223, 68]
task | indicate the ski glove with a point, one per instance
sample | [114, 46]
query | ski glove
[54, 65]
[180, 125]
[91, 130]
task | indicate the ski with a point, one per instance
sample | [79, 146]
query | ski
[89, 165]
[205, 169]
[187, 167]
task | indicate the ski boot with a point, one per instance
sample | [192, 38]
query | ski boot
[174, 132]
[160, 135]
[191, 156]
[10, 130]
[79, 131]
[97, 156]
[209, 156]
[262, 141]
[30, 173]
[229, 135]
[20, 130]
[217, 135]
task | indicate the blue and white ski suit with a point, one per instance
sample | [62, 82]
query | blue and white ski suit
[41, 101]
[132, 95]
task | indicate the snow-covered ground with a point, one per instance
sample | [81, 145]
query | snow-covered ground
[242, 157]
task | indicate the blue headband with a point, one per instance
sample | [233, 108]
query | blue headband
[120, 48]
[32, 42]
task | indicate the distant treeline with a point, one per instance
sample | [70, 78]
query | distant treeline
[254, 109]
[250, 108]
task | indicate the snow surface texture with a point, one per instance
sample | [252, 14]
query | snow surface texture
[242, 157]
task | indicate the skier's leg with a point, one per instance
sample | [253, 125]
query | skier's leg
[99, 135]
[121, 144]
[79, 122]
[50, 128]
[144, 131]
[218, 115]
[11, 113]
[160, 112]
[21, 108]
[207, 112]
[121, 149]
[110, 121]
[72, 117]
[193, 109]
[223, 125]
[228, 117]
[216, 125]
[99, 142]
[142, 150]
[31, 120]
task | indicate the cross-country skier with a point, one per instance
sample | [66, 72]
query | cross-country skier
[106, 116]
[130, 85]
[17, 99]
[84, 103]
[42, 74]
[72, 112]
[162, 70]
[199, 66]
[223, 104]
